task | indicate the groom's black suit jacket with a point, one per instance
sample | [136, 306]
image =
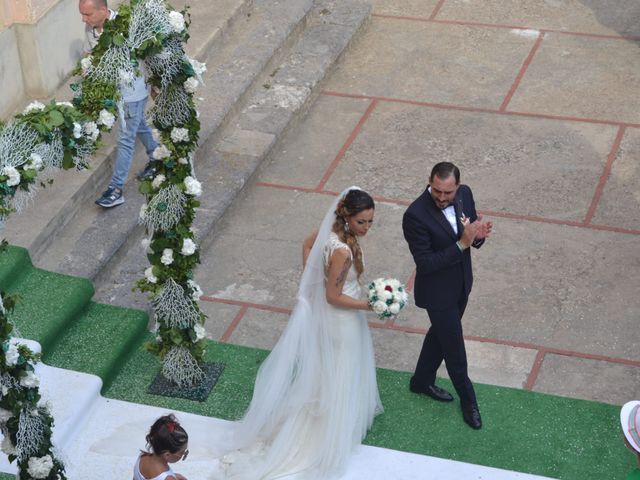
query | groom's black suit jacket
[443, 272]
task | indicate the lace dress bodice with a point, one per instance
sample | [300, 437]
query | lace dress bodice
[351, 285]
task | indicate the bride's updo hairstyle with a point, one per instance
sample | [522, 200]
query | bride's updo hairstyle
[354, 202]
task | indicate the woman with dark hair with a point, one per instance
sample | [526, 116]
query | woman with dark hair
[167, 442]
[316, 394]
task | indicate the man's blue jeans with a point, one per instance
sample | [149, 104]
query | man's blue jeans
[135, 126]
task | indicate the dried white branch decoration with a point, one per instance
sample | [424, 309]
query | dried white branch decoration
[171, 107]
[174, 307]
[180, 367]
[17, 141]
[30, 434]
[165, 209]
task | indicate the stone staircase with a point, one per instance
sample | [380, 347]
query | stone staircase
[266, 63]
[56, 311]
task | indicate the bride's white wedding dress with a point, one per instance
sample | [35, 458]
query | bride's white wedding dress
[316, 393]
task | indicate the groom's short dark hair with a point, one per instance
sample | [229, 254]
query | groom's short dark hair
[444, 170]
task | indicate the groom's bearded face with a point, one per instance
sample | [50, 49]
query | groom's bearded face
[443, 191]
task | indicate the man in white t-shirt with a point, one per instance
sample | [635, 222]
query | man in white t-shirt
[94, 14]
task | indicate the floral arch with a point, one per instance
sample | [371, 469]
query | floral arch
[65, 135]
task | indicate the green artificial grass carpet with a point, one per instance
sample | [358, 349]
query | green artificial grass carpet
[523, 431]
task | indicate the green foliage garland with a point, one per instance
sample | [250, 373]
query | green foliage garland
[65, 135]
[19, 397]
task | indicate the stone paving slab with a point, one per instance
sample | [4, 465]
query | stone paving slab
[582, 77]
[589, 379]
[563, 160]
[219, 318]
[496, 364]
[415, 8]
[620, 202]
[563, 287]
[260, 329]
[430, 62]
[312, 146]
[610, 17]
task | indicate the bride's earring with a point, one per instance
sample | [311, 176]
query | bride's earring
[346, 226]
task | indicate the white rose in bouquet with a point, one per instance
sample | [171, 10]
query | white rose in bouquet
[394, 308]
[394, 283]
[379, 307]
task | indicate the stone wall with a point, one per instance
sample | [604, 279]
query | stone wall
[40, 48]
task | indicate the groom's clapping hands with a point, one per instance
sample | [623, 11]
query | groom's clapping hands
[484, 228]
[474, 231]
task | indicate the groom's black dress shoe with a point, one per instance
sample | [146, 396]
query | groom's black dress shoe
[433, 391]
[471, 415]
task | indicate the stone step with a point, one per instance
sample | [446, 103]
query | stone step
[252, 45]
[226, 161]
[47, 227]
[56, 311]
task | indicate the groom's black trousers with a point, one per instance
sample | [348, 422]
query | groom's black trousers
[444, 341]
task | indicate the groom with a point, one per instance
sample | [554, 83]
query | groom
[439, 227]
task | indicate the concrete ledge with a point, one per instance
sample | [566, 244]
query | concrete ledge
[10, 73]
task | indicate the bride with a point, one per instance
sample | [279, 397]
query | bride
[316, 394]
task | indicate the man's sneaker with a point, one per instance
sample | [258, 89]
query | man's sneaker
[111, 198]
[146, 173]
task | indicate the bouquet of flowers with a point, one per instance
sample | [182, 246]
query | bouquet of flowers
[387, 296]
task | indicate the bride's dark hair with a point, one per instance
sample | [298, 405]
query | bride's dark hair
[354, 202]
